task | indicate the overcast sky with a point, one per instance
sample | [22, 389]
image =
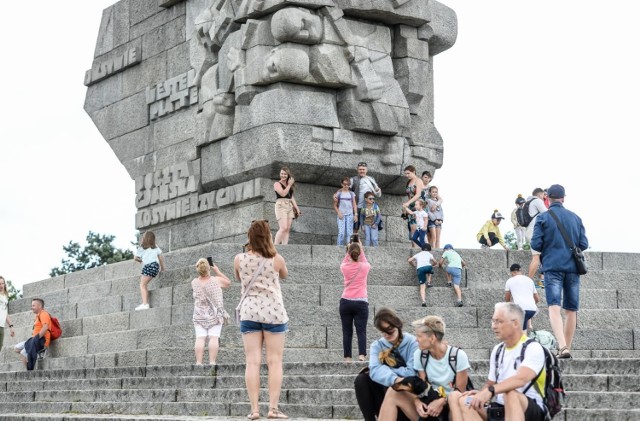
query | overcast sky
[531, 94]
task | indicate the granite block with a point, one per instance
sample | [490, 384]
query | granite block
[106, 323]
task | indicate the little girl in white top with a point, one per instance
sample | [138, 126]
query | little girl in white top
[152, 263]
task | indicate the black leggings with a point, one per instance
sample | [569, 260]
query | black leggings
[370, 396]
[356, 313]
[492, 237]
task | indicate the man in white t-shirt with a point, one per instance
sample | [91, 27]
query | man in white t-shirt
[360, 185]
[521, 290]
[510, 377]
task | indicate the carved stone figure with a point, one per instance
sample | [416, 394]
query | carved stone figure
[239, 87]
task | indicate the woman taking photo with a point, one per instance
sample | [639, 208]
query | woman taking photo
[354, 304]
[438, 372]
[391, 359]
[286, 206]
[208, 309]
[263, 318]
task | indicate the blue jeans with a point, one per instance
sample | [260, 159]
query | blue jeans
[561, 286]
[418, 237]
[456, 275]
[370, 235]
[345, 229]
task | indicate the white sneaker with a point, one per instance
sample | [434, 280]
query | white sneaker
[142, 307]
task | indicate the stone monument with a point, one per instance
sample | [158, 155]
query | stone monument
[204, 100]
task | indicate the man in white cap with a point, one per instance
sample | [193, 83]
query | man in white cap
[489, 234]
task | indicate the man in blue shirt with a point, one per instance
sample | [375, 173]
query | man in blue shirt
[561, 279]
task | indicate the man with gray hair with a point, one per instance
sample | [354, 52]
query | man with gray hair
[515, 377]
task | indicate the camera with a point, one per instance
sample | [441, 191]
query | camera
[354, 239]
[210, 260]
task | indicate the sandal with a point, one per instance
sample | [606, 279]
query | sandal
[429, 285]
[563, 353]
[253, 415]
[275, 413]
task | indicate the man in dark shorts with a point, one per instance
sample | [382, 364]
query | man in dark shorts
[509, 388]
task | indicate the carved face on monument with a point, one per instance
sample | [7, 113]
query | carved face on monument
[285, 63]
[296, 25]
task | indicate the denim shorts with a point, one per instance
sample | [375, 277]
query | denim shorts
[565, 286]
[248, 326]
[422, 272]
[456, 275]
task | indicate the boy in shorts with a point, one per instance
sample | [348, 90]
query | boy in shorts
[454, 264]
[424, 261]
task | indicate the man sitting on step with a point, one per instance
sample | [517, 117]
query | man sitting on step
[40, 337]
[510, 379]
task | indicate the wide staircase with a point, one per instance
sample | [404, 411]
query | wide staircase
[116, 363]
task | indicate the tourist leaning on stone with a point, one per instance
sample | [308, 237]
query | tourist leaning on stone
[286, 206]
[360, 185]
[152, 261]
[509, 380]
[40, 336]
[263, 318]
[208, 308]
[390, 359]
[561, 278]
[4, 311]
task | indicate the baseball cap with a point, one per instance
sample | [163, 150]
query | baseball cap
[448, 246]
[515, 267]
[497, 215]
[520, 200]
[556, 191]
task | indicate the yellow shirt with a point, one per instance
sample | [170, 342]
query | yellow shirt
[490, 227]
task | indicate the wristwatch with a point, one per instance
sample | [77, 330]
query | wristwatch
[492, 390]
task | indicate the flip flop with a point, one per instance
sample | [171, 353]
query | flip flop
[275, 413]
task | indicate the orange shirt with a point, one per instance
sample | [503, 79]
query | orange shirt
[41, 319]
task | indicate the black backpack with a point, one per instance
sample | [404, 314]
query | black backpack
[522, 214]
[553, 395]
[453, 363]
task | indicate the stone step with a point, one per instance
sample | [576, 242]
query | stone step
[115, 417]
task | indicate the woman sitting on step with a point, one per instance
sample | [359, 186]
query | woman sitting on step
[208, 308]
[263, 318]
[390, 360]
[434, 362]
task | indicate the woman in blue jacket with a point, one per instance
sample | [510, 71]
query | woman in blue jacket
[390, 359]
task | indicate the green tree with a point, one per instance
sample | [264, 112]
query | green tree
[98, 251]
[512, 243]
[14, 293]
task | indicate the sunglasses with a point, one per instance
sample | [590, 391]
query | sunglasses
[389, 330]
[362, 164]
[260, 220]
[370, 198]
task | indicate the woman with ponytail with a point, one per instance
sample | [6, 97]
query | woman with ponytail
[391, 358]
[354, 304]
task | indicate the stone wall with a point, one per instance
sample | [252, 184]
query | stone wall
[204, 100]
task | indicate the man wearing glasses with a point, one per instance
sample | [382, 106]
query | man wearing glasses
[361, 184]
[513, 375]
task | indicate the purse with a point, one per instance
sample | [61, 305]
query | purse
[578, 256]
[246, 291]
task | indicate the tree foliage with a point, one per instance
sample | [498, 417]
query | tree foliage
[98, 251]
[14, 293]
[512, 243]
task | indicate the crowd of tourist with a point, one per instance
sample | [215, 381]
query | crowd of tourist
[399, 360]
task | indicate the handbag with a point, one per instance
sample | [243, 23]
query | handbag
[249, 285]
[578, 256]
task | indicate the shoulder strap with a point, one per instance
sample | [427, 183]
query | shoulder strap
[533, 382]
[251, 282]
[424, 360]
[453, 361]
[497, 359]
[566, 237]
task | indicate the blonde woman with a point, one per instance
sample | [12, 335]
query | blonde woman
[4, 311]
[208, 309]
[437, 369]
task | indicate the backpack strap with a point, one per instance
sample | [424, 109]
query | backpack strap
[453, 363]
[424, 360]
[535, 379]
[497, 359]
